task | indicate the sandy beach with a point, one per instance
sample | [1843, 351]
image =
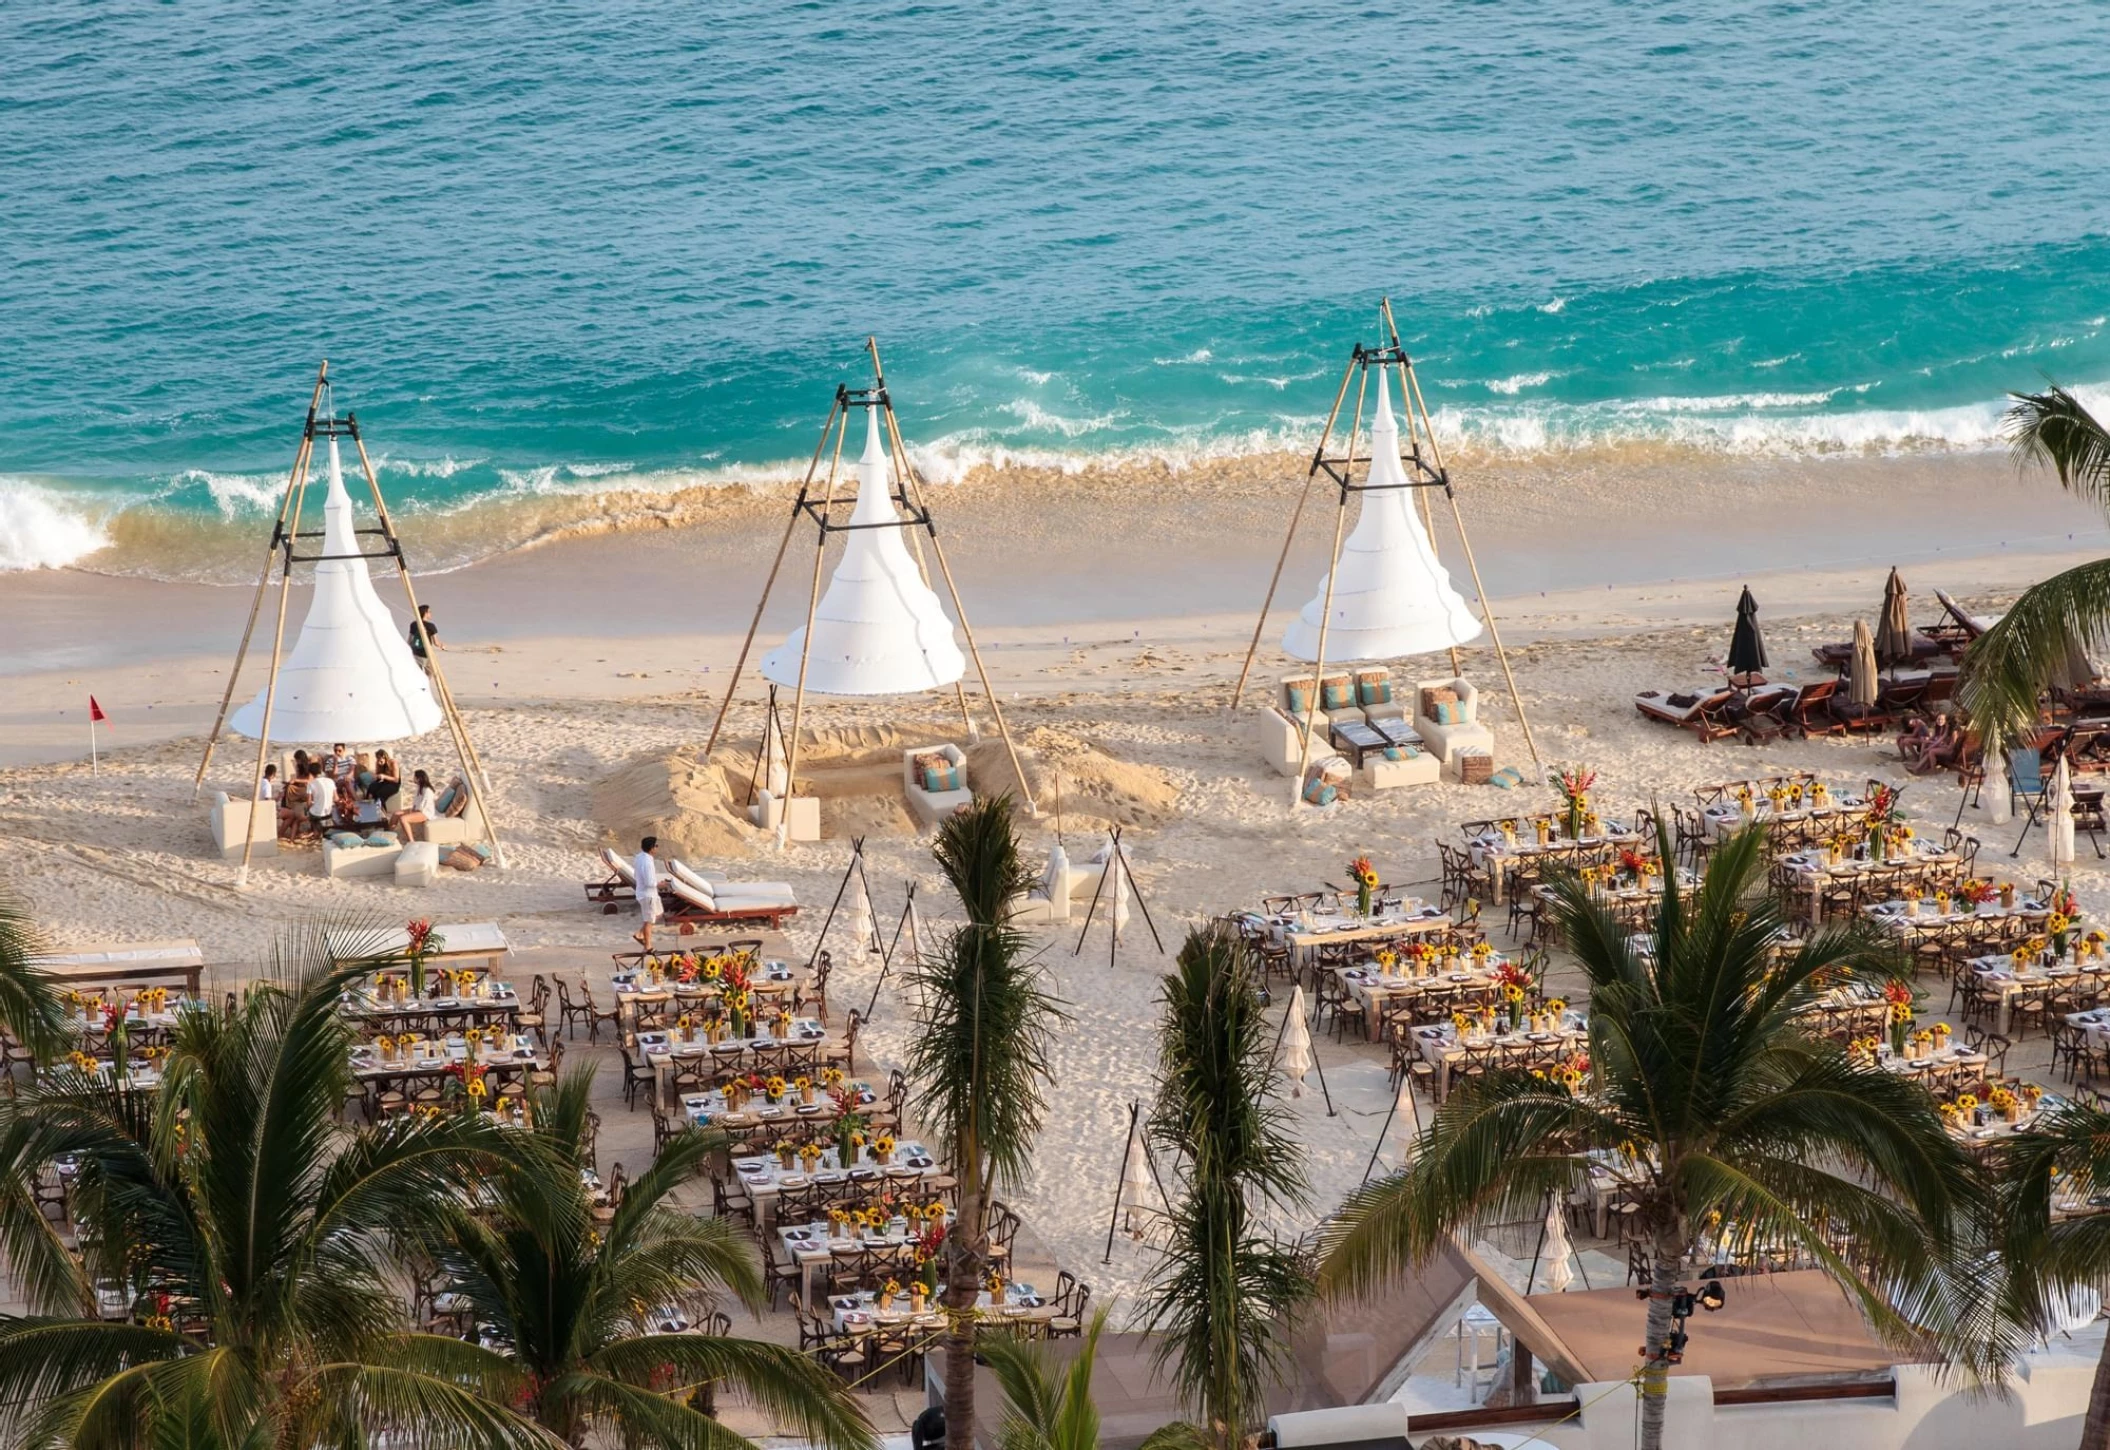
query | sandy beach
[1106, 618]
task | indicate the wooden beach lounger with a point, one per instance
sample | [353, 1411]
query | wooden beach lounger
[693, 897]
[1681, 708]
[620, 884]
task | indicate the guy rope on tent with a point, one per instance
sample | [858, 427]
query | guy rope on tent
[879, 629]
[1386, 594]
[351, 675]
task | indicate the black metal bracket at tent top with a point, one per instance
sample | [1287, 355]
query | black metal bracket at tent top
[330, 426]
[1420, 473]
[849, 397]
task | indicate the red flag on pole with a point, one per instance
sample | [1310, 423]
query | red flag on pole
[95, 711]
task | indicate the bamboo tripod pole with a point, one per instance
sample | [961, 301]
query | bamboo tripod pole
[464, 748]
[937, 550]
[1318, 669]
[1420, 411]
[278, 643]
[1282, 559]
[301, 456]
[813, 600]
[783, 545]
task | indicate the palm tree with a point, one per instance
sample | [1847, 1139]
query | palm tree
[1051, 1406]
[2045, 1258]
[569, 1307]
[979, 1064]
[2065, 617]
[1716, 1106]
[250, 1231]
[1225, 1290]
[29, 1001]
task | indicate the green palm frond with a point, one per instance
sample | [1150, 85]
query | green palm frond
[646, 1417]
[795, 1391]
[29, 1000]
[432, 1410]
[1049, 1405]
[2034, 646]
[2054, 427]
[977, 850]
[1225, 1293]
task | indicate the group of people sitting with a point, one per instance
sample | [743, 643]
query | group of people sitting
[1927, 747]
[340, 789]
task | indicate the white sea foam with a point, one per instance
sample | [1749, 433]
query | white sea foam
[1558, 304]
[1511, 386]
[43, 528]
[1033, 415]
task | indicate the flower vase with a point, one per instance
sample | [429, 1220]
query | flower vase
[739, 1027]
[786, 1158]
[915, 1298]
[1897, 1038]
[1574, 822]
[806, 1093]
[886, 1301]
[1362, 899]
[417, 977]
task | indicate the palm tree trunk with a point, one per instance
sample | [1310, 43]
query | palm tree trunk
[1655, 1370]
[963, 1284]
[2095, 1430]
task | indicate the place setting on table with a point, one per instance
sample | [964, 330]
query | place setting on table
[874, 1309]
[1776, 805]
[1415, 967]
[1547, 1037]
[1970, 907]
[688, 976]
[1308, 930]
[85, 1014]
[889, 1230]
[2003, 1112]
[815, 1162]
[451, 992]
[760, 1101]
[416, 1054]
[2045, 963]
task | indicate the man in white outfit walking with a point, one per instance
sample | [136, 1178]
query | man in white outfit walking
[646, 869]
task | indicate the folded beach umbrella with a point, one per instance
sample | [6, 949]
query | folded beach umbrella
[879, 630]
[1558, 1250]
[350, 675]
[1861, 674]
[1747, 648]
[1390, 595]
[2060, 824]
[1296, 1045]
[1137, 1190]
[860, 910]
[1894, 629]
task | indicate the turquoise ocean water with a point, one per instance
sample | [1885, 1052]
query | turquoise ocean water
[563, 249]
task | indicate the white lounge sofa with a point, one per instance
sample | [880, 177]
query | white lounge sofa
[339, 862]
[804, 812]
[1378, 773]
[465, 829]
[1464, 730]
[230, 817]
[1279, 727]
[1047, 902]
[931, 807]
[418, 864]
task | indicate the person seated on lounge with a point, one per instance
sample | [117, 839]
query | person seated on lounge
[388, 779]
[293, 803]
[1927, 749]
[322, 800]
[333, 760]
[267, 789]
[363, 776]
[424, 805]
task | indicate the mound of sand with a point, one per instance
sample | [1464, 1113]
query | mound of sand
[678, 799]
[1093, 786]
[855, 773]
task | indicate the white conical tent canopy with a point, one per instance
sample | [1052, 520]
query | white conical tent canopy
[879, 630]
[1390, 595]
[350, 675]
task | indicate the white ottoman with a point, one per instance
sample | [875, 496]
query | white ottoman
[419, 865]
